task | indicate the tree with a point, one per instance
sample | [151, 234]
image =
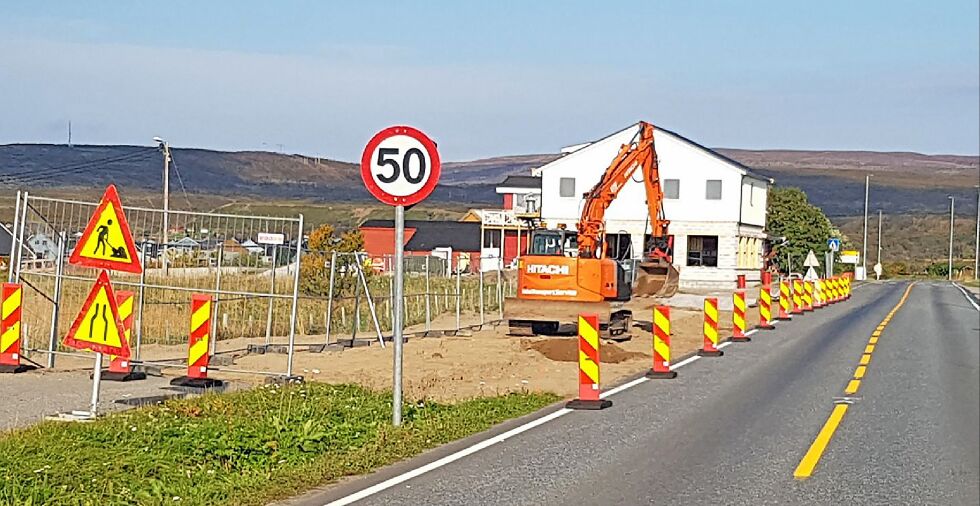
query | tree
[315, 266]
[790, 215]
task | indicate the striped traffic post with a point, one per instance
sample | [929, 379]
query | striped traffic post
[120, 369]
[818, 293]
[784, 300]
[10, 334]
[738, 317]
[847, 288]
[808, 295]
[588, 365]
[710, 326]
[797, 307]
[835, 288]
[765, 309]
[661, 345]
[197, 350]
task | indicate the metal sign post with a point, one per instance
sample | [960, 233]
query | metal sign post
[400, 167]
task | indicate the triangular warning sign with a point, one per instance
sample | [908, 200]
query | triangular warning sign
[107, 242]
[97, 326]
[811, 260]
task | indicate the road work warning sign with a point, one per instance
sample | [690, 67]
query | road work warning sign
[107, 242]
[97, 326]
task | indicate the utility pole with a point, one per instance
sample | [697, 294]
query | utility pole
[864, 254]
[165, 147]
[878, 258]
[976, 245]
[949, 273]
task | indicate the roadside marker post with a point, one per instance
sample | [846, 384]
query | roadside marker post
[197, 349]
[710, 326]
[661, 345]
[808, 296]
[765, 309]
[847, 288]
[588, 366]
[10, 333]
[835, 288]
[818, 294]
[738, 317]
[797, 307]
[120, 369]
[400, 166]
[784, 302]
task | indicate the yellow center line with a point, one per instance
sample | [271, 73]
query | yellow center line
[812, 457]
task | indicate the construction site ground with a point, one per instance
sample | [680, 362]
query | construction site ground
[484, 361]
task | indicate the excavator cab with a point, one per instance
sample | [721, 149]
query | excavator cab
[552, 243]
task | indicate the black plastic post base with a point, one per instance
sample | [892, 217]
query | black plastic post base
[16, 369]
[784, 318]
[765, 327]
[284, 380]
[123, 376]
[716, 353]
[589, 405]
[661, 375]
[202, 383]
[743, 339]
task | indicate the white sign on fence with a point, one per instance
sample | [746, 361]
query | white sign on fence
[269, 238]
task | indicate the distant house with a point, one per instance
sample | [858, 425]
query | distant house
[253, 247]
[43, 247]
[458, 242]
[185, 244]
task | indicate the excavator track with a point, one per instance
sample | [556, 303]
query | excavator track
[550, 318]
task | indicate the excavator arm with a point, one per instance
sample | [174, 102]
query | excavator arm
[641, 155]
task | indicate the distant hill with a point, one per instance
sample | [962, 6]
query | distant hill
[834, 180]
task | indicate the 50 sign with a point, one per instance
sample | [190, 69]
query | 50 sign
[400, 166]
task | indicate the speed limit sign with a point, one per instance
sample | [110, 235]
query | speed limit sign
[400, 166]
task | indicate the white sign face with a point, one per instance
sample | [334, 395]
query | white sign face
[400, 165]
[850, 257]
[268, 238]
[811, 260]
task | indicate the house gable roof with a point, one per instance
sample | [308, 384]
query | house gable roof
[429, 235]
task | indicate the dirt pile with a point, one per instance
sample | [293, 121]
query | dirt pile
[566, 350]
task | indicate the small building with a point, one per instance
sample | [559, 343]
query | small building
[455, 241]
[716, 205]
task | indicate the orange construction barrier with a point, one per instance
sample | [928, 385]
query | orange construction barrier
[808, 295]
[710, 348]
[11, 296]
[120, 369]
[784, 300]
[765, 309]
[797, 297]
[198, 352]
[738, 317]
[818, 294]
[588, 366]
[661, 344]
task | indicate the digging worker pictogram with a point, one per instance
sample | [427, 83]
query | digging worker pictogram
[102, 242]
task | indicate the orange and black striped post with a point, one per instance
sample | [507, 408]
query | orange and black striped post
[588, 365]
[784, 301]
[661, 344]
[11, 296]
[120, 369]
[797, 297]
[710, 348]
[197, 352]
[738, 317]
[765, 309]
[808, 295]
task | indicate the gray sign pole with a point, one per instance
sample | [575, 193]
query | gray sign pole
[397, 323]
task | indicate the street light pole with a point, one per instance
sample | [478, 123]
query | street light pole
[864, 254]
[949, 273]
[165, 147]
[976, 245]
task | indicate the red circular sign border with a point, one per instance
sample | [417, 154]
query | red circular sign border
[424, 191]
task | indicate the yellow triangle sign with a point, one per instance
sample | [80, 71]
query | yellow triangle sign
[97, 326]
[107, 242]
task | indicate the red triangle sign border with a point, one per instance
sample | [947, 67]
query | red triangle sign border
[110, 197]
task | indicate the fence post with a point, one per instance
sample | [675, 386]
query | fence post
[215, 328]
[292, 314]
[14, 249]
[482, 321]
[56, 300]
[328, 323]
[139, 309]
[428, 310]
[459, 293]
[370, 300]
[20, 247]
[272, 292]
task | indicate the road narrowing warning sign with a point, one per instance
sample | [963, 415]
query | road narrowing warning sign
[107, 242]
[98, 327]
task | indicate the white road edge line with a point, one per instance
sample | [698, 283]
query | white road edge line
[969, 298]
[499, 438]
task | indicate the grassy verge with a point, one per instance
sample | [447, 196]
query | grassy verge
[242, 448]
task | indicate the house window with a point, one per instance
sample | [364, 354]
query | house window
[566, 187]
[702, 250]
[672, 189]
[713, 189]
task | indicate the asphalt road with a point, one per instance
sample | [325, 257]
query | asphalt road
[731, 430]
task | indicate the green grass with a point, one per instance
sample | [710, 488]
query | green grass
[247, 447]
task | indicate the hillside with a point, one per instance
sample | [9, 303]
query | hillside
[834, 180]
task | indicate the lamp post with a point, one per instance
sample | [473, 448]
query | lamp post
[165, 148]
[976, 245]
[864, 253]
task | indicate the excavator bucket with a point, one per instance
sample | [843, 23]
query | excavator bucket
[655, 278]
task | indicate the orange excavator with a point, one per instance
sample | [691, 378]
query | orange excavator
[570, 273]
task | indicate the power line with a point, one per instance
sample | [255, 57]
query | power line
[173, 161]
[70, 168]
[41, 176]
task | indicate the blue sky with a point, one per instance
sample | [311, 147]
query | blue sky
[492, 78]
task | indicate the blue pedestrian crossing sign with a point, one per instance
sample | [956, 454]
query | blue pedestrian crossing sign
[833, 244]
